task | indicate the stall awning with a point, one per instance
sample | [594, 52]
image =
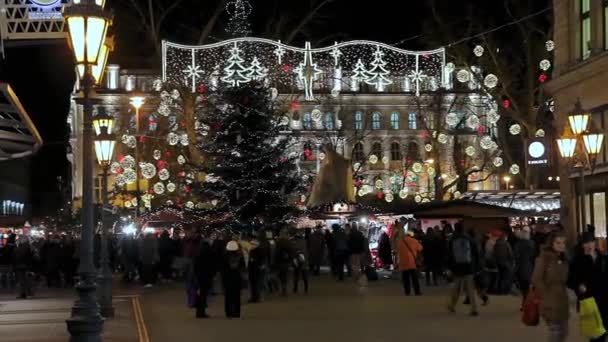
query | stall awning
[18, 135]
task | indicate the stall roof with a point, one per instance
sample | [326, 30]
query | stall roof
[460, 209]
[18, 135]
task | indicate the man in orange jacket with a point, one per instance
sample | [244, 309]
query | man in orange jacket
[408, 249]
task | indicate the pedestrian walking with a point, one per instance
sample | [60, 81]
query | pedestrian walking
[505, 262]
[165, 253]
[258, 261]
[148, 253]
[385, 251]
[356, 247]
[525, 253]
[588, 277]
[234, 264]
[300, 266]
[549, 278]
[204, 271]
[341, 252]
[316, 250]
[22, 262]
[462, 261]
[284, 258]
[408, 249]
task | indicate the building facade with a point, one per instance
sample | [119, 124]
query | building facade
[410, 122]
[580, 72]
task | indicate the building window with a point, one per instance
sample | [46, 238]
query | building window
[396, 151]
[430, 121]
[376, 120]
[358, 153]
[307, 121]
[585, 28]
[377, 149]
[98, 189]
[412, 151]
[359, 120]
[328, 121]
[412, 121]
[395, 120]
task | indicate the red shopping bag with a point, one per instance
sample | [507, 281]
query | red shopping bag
[530, 315]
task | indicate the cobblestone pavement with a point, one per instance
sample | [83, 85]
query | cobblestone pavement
[339, 312]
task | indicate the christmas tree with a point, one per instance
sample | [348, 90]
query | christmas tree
[377, 74]
[236, 73]
[359, 75]
[250, 178]
[257, 71]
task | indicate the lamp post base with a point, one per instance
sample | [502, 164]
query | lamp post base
[85, 324]
[104, 295]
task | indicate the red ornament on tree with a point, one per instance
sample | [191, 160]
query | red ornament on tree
[161, 164]
[307, 152]
[358, 183]
[201, 89]
[187, 189]
[286, 67]
[119, 171]
[295, 105]
[424, 134]
[380, 195]
[120, 157]
[168, 154]
[142, 139]
[481, 129]
[182, 174]
[311, 157]
[542, 78]
[506, 103]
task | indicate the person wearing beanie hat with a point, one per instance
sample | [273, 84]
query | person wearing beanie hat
[234, 264]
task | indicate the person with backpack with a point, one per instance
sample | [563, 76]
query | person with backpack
[462, 261]
[408, 249]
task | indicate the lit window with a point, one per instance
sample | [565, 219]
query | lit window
[376, 120]
[395, 151]
[412, 121]
[585, 29]
[395, 120]
[307, 121]
[358, 120]
[329, 121]
[358, 153]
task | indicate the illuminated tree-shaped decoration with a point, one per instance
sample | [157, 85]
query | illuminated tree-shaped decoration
[360, 75]
[257, 71]
[378, 73]
[236, 73]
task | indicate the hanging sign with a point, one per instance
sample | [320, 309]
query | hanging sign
[537, 152]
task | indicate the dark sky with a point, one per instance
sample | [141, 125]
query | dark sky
[42, 74]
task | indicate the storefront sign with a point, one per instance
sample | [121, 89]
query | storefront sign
[45, 2]
[45, 10]
[537, 152]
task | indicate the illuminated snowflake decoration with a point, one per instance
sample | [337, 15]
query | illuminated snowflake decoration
[128, 162]
[148, 170]
[442, 138]
[321, 156]
[379, 184]
[193, 72]
[544, 65]
[417, 167]
[550, 45]
[171, 187]
[470, 151]
[540, 133]
[514, 169]
[478, 51]
[164, 174]
[356, 166]
[373, 159]
[284, 120]
[159, 188]
[403, 194]
[486, 142]
[190, 205]
[183, 139]
[114, 167]
[385, 160]
[175, 94]
[164, 109]
[417, 76]
[452, 119]
[515, 129]
[130, 176]
[498, 161]
[463, 76]
[473, 121]
[316, 114]
[389, 197]
[120, 180]
[493, 117]
[157, 154]
[181, 160]
[490, 81]
[173, 139]
[418, 198]
[428, 147]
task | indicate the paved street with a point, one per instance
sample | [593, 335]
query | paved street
[339, 312]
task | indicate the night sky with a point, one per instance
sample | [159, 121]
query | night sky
[42, 74]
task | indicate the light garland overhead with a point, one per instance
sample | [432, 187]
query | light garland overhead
[239, 11]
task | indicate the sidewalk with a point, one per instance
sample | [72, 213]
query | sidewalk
[43, 320]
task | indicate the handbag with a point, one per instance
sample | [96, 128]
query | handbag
[530, 315]
[590, 320]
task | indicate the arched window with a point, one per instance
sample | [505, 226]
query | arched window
[307, 121]
[377, 149]
[359, 120]
[396, 151]
[412, 121]
[358, 153]
[376, 120]
[395, 120]
[328, 121]
[412, 151]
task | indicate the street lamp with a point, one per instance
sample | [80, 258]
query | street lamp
[507, 179]
[98, 68]
[137, 101]
[579, 147]
[104, 149]
[87, 24]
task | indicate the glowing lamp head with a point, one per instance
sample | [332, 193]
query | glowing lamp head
[103, 123]
[104, 149]
[87, 25]
[567, 147]
[593, 143]
[137, 101]
[100, 3]
[507, 178]
[579, 119]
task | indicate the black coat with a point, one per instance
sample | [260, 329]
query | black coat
[23, 257]
[204, 265]
[385, 250]
[525, 256]
[594, 275]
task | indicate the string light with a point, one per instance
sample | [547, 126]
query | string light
[238, 24]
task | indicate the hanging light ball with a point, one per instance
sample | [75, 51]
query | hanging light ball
[356, 166]
[431, 171]
[550, 45]
[114, 167]
[478, 51]
[373, 159]
[128, 162]
[159, 188]
[385, 160]
[171, 187]
[316, 115]
[463, 76]
[540, 133]
[544, 65]
[389, 197]
[497, 161]
[321, 156]
[183, 139]
[403, 194]
[130, 176]
[428, 147]
[514, 169]
[173, 139]
[379, 184]
[486, 142]
[452, 119]
[442, 138]
[120, 180]
[181, 160]
[157, 154]
[473, 121]
[190, 205]
[515, 129]
[470, 151]
[417, 167]
[148, 170]
[490, 81]
[164, 174]
[493, 117]
[418, 198]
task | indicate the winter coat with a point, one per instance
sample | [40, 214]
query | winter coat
[204, 267]
[148, 251]
[549, 278]
[316, 246]
[463, 269]
[385, 251]
[356, 242]
[408, 249]
[284, 252]
[503, 253]
[51, 256]
[23, 257]
[525, 253]
[594, 275]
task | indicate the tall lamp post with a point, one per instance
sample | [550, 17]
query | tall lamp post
[104, 149]
[87, 25]
[137, 101]
[579, 146]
